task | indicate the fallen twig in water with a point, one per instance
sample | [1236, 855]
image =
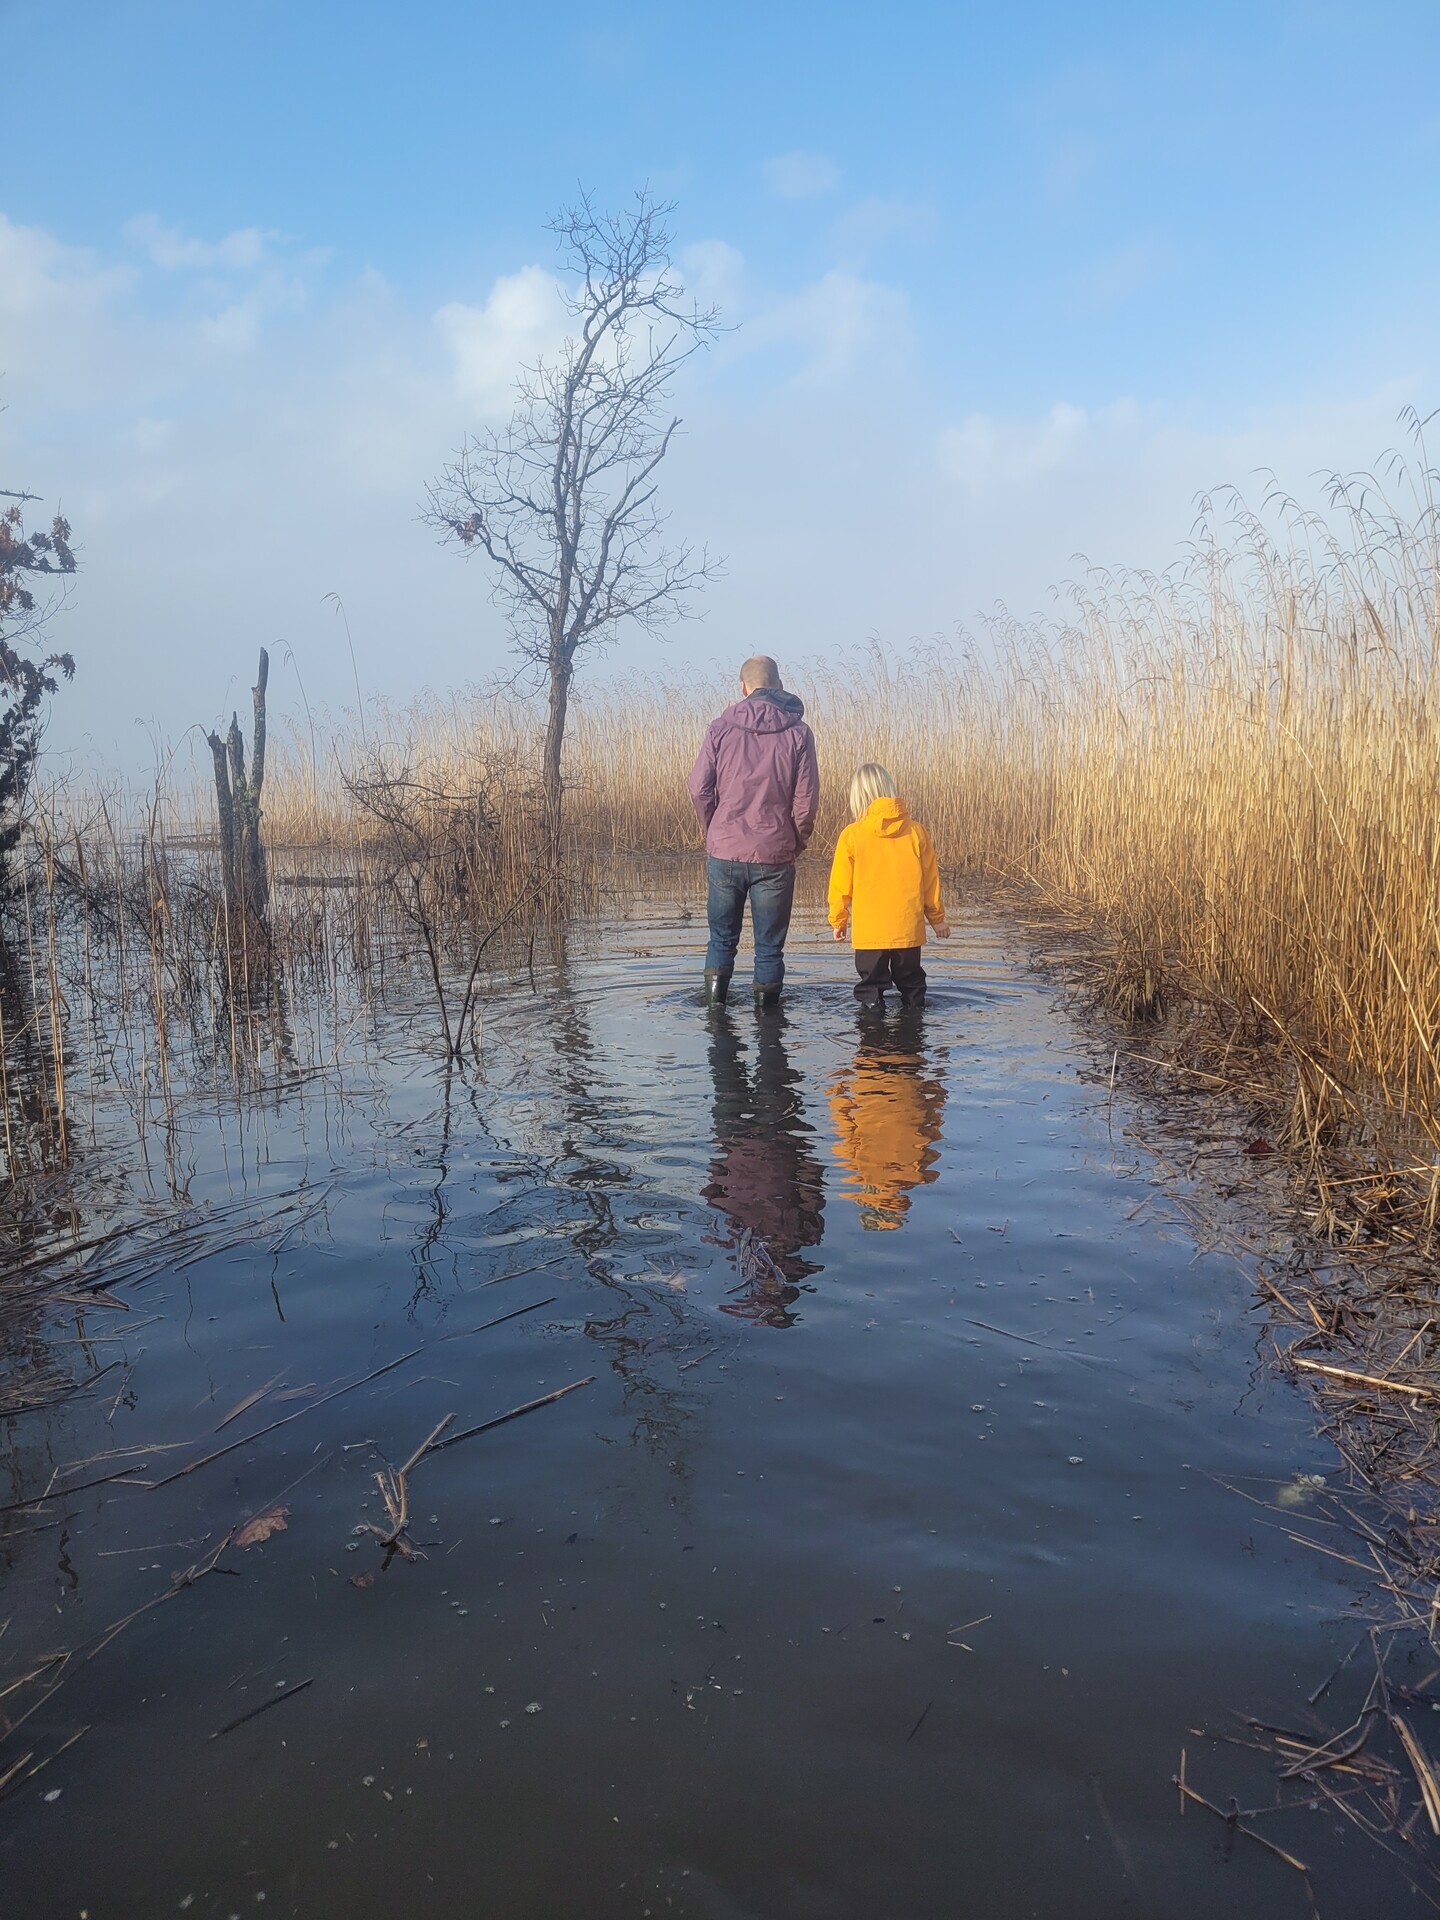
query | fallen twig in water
[1321, 1757]
[1353, 1379]
[1232, 1820]
[1330, 1678]
[520, 1273]
[44, 1666]
[1424, 1774]
[62, 1391]
[394, 1485]
[264, 1707]
[530, 1406]
[62, 1662]
[1068, 1353]
[347, 1386]
[64, 1747]
[124, 1478]
[249, 1400]
[924, 1713]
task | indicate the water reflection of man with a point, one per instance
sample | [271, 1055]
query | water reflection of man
[764, 1176]
[887, 1113]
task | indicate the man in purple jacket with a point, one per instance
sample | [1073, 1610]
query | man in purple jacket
[756, 789]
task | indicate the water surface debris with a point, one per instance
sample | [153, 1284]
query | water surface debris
[264, 1706]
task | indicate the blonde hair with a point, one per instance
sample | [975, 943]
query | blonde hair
[760, 671]
[870, 782]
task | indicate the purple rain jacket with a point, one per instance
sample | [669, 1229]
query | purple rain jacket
[755, 783]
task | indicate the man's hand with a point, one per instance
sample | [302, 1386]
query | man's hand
[941, 930]
[840, 933]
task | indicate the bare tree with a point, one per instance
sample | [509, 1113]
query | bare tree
[562, 501]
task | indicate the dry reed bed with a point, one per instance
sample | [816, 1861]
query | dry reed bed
[1227, 778]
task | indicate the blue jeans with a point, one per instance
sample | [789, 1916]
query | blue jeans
[770, 886]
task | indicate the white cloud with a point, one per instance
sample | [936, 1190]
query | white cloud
[841, 323]
[986, 455]
[38, 273]
[874, 221]
[834, 328]
[1112, 277]
[235, 328]
[522, 319]
[801, 176]
[167, 247]
[1081, 453]
[1119, 484]
[51, 298]
[715, 274]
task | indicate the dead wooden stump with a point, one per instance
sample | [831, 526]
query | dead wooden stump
[243, 869]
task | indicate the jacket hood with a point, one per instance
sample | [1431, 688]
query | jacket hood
[767, 710]
[887, 816]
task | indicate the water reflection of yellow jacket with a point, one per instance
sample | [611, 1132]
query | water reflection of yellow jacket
[884, 879]
[887, 1120]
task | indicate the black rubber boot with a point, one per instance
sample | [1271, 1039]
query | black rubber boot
[767, 996]
[717, 987]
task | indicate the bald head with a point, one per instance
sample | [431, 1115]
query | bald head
[759, 671]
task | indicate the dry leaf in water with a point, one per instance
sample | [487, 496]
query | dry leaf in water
[362, 1579]
[260, 1526]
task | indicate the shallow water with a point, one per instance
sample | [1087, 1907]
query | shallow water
[883, 1568]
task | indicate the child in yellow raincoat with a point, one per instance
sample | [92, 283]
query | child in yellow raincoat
[884, 889]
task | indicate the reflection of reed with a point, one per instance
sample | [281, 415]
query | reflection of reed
[764, 1175]
[584, 1161]
[34, 1138]
[887, 1115]
[37, 1202]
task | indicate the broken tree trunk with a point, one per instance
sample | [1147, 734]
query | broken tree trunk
[237, 803]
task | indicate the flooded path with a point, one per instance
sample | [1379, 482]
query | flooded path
[879, 1573]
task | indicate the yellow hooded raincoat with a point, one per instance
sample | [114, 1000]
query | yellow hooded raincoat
[884, 879]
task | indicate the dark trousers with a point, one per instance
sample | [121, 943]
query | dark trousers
[881, 967]
[770, 888]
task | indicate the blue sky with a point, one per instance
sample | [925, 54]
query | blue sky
[1009, 285]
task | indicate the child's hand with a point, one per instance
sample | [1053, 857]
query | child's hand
[942, 930]
[839, 933]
